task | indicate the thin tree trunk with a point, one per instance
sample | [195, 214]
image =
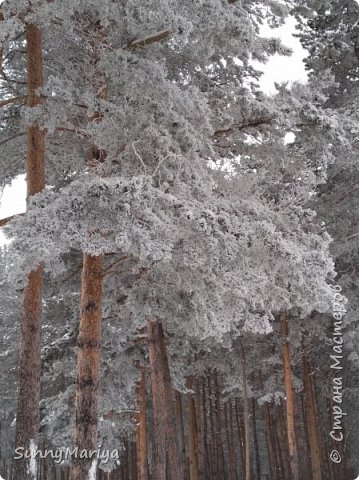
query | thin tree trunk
[182, 441]
[212, 445]
[27, 412]
[199, 425]
[141, 429]
[192, 436]
[292, 442]
[134, 461]
[207, 461]
[311, 422]
[229, 434]
[255, 439]
[88, 359]
[241, 440]
[270, 445]
[126, 469]
[246, 414]
[219, 439]
[280, 435]
[165, 434]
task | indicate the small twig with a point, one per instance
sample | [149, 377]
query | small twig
[159, 164]
[73, 273]
[116, 261]
[138, 155]
[8, 139]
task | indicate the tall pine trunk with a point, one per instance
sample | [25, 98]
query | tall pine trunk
[246, 415]
[199, 425]
[165, 432]
[228, 416]
[181, 433]
[255, 439]
[192, 436]
[88, 360]
[290, 402]
[219, 439]
[311, 421]
[141, 429]
[89, 338]
[27, 412]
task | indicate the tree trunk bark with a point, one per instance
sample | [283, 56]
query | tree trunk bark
[141, 429]
[219, 440]
[199, 425]
[27, 412]
[88, 359]
[255, 439]
[192, 436]
[246, 414]
[212, 444]
[292, 442]
[207, 459]
[126, 466]
[241, 439]
[311, 421]
[181, 432]
[166, 442]
[273, 473]
[228, 418]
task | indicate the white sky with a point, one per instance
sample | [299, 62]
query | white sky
[278, 69]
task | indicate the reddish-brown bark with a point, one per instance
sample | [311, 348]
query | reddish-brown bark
[27, 413]
[141, 428]
[88, 359]
[290, 402]
[165, 432]
[311, 422]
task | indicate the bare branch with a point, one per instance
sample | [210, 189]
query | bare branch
[8, 101]
[8, 139]
[5, 221]
[134, 44]
[115, 262]
[235, 128]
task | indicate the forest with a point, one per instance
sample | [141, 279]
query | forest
[180, 300]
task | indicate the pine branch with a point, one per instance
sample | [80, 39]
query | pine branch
[140, 43]
[8, 139]
[8, 101]
[5, 221]
[235, 128]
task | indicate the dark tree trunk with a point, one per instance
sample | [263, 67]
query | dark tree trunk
[255, 439]
[181, 433]
[165, 432]
[219, 440]
[141, 428]
[192, 436]
[229, 434]
[311, 423]
[289, 390]
[246, 414]
[241, 439]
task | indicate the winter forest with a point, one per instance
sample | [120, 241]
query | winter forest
[180, 299]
